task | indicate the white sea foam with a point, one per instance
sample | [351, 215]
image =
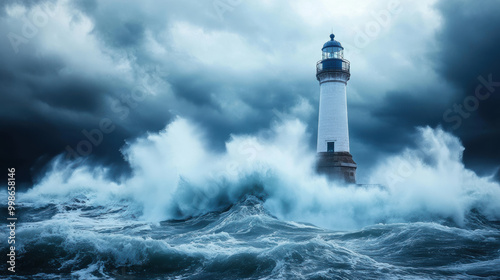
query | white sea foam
[175, 175]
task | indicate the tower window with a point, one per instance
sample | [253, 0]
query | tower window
[330, 147]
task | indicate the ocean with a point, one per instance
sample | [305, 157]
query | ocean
[258, 211]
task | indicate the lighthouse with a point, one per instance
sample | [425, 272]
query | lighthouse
[333, 156]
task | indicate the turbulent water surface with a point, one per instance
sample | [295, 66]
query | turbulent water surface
[258, 211]
[245, 241]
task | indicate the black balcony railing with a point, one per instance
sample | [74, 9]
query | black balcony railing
[333, 65]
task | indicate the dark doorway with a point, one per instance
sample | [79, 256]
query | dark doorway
[330, 147]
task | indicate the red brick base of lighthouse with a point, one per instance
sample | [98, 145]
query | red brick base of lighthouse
[338, 166]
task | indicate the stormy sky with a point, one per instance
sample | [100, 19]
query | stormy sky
[111, 71]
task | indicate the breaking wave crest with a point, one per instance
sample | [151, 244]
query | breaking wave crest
[259, 211]
[175, 176]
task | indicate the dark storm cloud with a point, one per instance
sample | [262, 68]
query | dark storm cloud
[467, 49]
[470, 44]
[86, 6]
[47, 103]
[48, 97]
[43, 112]
[398, 114]
[125, 34]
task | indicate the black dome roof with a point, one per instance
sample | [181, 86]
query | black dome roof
[332, 43]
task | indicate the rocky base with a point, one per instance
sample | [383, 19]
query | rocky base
[338, 166]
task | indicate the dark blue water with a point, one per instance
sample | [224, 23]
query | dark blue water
[258, 211]
[244, 241]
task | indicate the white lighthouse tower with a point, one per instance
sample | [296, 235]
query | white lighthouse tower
[333, 72]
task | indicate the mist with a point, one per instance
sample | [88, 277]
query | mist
[175, 175]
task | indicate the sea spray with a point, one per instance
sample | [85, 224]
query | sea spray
[176, 176]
